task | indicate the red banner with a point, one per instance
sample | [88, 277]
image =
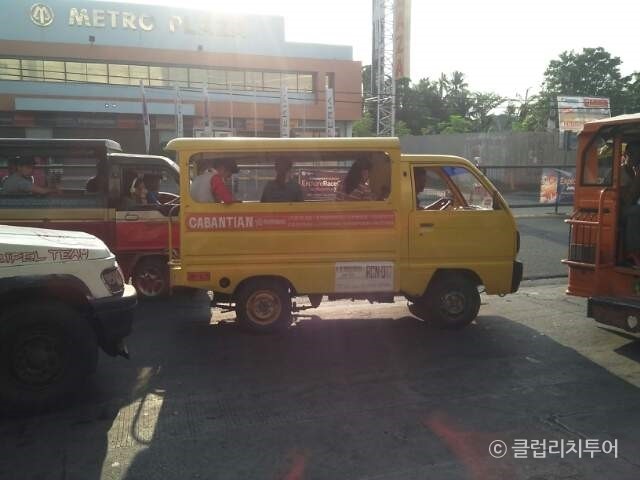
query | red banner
[289, 221]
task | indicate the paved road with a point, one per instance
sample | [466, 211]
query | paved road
[543, 244]
[353, 391]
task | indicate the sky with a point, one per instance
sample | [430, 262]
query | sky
[501, 46]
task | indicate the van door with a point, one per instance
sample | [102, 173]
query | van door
[453, 225]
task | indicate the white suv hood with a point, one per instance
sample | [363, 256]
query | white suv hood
[35, 246]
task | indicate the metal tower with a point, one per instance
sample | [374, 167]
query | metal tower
[383, 79]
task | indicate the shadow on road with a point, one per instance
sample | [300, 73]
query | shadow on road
[371, 398]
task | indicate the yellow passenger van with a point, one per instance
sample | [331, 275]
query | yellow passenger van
[370, 223]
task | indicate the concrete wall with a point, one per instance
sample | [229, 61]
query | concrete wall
[504, 148]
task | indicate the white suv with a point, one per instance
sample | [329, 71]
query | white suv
[61, 296]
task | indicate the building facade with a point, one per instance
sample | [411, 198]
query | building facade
[72, 69]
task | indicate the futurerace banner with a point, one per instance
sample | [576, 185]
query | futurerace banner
[320, 184]
[551, 192]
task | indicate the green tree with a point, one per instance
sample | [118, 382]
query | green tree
[456, 124]
[363, 127]
[481, 106]
[592, 72]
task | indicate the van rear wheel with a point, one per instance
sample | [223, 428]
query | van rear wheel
[452, 302]
[263, 305]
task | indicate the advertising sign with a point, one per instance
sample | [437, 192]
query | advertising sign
[551, 191]
[574, 112]
[284, 112]
[320, 184]
[331, 114]
[145, 119]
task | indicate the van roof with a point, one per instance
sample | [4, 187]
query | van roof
[137, 159]
[273, 144]
[60, 142]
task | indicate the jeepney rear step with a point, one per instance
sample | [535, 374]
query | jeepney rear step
[623, 313]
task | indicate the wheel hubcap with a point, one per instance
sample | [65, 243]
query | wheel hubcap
[453, 303]
[37, 359]
[150, 282]
[264, 307]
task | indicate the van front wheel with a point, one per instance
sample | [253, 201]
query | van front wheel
[264, 305]
[452, 301]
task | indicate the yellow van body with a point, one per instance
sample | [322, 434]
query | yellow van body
[342, 248]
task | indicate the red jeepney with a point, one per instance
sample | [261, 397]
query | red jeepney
[94, 183]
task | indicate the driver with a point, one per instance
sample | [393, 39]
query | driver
[420, 181]
[21, 181]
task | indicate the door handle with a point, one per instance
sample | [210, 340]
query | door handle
[425, 228]
[131, 217]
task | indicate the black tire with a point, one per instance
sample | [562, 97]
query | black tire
[46, 352]
[151, 278]
[452, 302]
[263, 305]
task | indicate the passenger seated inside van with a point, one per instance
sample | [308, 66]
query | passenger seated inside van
[201, 184]
[355, 185]
[137, 194]
[21, 181]
[283, 188]
[225, 167]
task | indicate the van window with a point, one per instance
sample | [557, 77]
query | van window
[69, 170]
[473, 192]
[160, 185]
[597, 162]
[449, 187]
[310, 176]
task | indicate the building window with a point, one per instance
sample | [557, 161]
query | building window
[290, 80]
[54, 71]
[118, 74]
[179, 76]
[254, 80]
[137, 73]
[272, 81]
[217, 79]
[197, 78]
[76, 71]
[9, 69]
[305, 82]
[159, 77]
[97, 73]
[155, 76]
[236, 79]
[33, 70]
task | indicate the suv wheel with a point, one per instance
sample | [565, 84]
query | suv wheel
[45, 353]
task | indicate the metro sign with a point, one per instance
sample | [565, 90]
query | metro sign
[41, 15]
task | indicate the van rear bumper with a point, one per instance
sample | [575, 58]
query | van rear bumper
[516, 276]
[114, 319]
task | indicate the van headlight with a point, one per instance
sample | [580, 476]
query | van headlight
[113, 280]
